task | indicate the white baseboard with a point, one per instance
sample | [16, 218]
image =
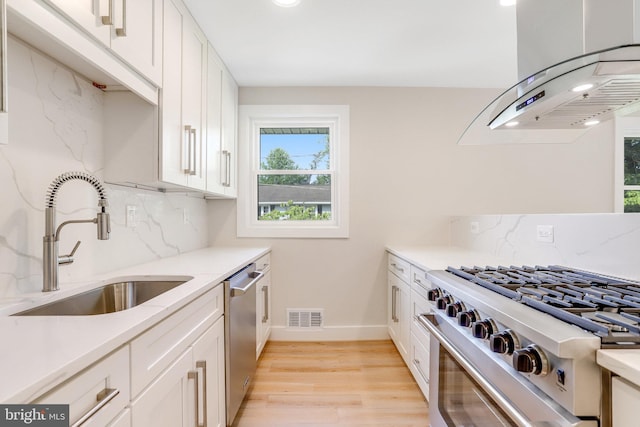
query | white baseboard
[330, 333]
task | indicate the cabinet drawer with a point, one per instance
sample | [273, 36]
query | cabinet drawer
[264, 262]
[419, 305]
[419, 278]
[94, 385]
[155, 349]
[399, 267]
[420, 363]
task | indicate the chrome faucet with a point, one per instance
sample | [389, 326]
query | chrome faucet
[50, 258]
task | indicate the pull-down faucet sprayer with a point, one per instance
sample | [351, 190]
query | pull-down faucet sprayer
[50, 258]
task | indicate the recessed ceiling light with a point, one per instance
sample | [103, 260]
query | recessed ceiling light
[512, 124]
[507, 2]
[591, 122]
[286, 3]
[580, 88]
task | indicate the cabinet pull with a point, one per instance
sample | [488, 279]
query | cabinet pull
[265, 313]
[122, 31]
[193, 375]
[108, 20]
[226, 181]
[190, 133]
[202, 364]
[228, 168]
[394, 298]
[102, 398]
[394, 265]
[193, 160]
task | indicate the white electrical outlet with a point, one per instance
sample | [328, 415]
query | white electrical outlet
[131, 217]
[544, 233]
[474, 227]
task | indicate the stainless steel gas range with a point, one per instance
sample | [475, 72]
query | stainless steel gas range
[516, 346]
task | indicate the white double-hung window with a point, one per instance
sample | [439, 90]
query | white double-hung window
[293, 165]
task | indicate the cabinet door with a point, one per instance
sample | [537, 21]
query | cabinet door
[169, 400]
[216, 174]
[208, 356]
[230, 132]
[135, 35]
[184, 55]
[399, 314]
[263, 312]
[194, 100]
[87, 14]
[625, 401]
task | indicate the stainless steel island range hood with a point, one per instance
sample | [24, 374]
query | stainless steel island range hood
[578, 65]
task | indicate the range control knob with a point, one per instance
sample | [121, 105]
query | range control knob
[466, 318]
[443, 301]
[454, 308]
[504, 342]
[531, 360]
[434, 294]
[484, 328]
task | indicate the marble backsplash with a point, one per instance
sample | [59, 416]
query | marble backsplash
[603, 243]
[55, 126]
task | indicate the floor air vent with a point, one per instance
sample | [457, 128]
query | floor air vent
[304, 318]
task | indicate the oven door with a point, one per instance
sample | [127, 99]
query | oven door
[469, 388]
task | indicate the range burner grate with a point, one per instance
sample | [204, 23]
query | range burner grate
[606, 306]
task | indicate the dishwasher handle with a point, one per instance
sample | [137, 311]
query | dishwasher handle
[236, 292]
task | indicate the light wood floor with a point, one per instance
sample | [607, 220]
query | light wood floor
[342, 384]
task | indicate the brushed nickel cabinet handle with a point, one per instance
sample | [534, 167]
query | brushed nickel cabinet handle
[193, 160]
[122, 31]
[265, 315]
[202, 364]
[108, 20]
[102, 398]
[394, 302]
[193, 375]
[394, 265]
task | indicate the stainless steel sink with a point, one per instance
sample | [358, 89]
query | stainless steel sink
[108, 298]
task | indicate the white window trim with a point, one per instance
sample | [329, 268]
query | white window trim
[625, 127]
[250, 117]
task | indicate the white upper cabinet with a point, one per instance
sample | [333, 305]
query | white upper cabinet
[129, 28]
[183, 99]
[135, 35]
[222, 106]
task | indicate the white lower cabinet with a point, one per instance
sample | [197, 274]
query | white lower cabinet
[407, 299]
[263, 312]
[208, 358]
[105, 382]
[171, 375]
[165, 402]
[191, 390]
[398, 318]
[625, 403]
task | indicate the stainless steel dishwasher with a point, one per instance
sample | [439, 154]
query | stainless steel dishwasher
[240, 335]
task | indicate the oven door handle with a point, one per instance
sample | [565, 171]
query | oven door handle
[428, 321]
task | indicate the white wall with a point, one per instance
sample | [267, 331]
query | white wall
[55, 126]
[407, 177]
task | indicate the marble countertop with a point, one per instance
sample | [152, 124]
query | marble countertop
[625, 363]
[40, 352]
[441, 257]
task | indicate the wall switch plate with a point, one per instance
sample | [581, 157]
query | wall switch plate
[474, 227]
[544, 233]
[131, 217]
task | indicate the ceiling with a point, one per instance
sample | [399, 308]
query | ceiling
[410, 43]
